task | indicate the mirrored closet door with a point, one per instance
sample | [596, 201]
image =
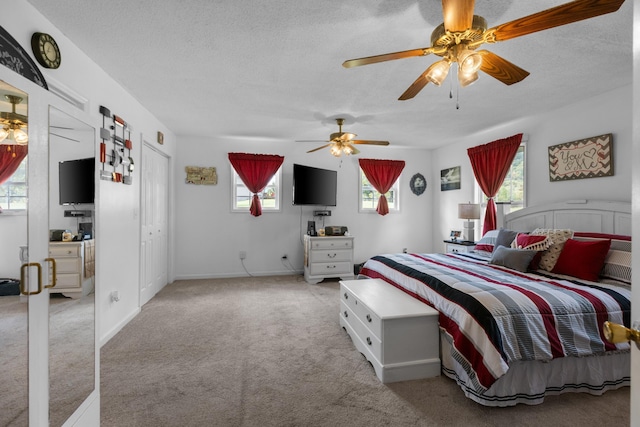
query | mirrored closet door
[72, 174]
[14, 120]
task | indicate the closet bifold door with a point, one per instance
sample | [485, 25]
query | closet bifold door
[15, 262]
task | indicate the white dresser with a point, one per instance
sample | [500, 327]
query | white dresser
[75, 263]
[398, 334]
[325, 257]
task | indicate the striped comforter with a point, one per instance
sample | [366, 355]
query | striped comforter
[496, 315]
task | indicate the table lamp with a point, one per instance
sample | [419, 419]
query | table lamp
[468, 211]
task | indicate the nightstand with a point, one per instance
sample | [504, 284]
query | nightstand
[458, 246]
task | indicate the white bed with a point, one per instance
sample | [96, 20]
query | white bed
[516, 379]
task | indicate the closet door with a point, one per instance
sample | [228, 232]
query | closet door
[154, 224]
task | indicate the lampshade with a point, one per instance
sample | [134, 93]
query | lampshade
[469, 211]
[437, 72]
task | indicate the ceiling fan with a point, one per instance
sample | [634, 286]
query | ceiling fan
[12, 124]
[342, 142]
[462, 32]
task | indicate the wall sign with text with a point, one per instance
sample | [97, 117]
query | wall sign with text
[585, 158]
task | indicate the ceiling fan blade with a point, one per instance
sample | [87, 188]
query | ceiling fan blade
[567, 13]
[416, 87]
[319, 148]
[369, 142]
[387, 57]
[501, 69]
[354, 150]
[458, 14]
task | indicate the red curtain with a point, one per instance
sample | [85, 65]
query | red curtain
[382, 174]
[491, 163]
[10, 158]
[255, 170]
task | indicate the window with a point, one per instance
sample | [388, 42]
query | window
[270, 198]
[13, 193]
[513, 188]
[369, 196]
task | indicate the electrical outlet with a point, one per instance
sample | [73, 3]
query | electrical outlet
[243, 254]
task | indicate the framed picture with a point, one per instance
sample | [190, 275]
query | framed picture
[585, 158]
[450, 179]
[418, 184]
[455, 234]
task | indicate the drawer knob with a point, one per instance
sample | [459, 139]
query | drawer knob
[346, 296]
[346, 314]
[368, 318]
[331, 266]
[331, 255]
[368, 340]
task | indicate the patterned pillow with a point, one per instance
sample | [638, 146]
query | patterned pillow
[530, 242]
[617, 266]
[558, 237]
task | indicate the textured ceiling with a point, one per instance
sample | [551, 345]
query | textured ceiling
[271, 70]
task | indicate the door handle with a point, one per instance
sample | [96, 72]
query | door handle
[23, 277]
[616, 333]
[53, 272]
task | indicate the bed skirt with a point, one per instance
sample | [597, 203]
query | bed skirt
[529, 382]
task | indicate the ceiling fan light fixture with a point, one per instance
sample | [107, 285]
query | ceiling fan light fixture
[347, 149]
[465, 79]
[469, 61]
[20, 136]
[336, 150]
[3, 134]
[437, 72]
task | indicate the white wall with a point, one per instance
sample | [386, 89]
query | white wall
[117, 218]
[607, 113]
[209, 236]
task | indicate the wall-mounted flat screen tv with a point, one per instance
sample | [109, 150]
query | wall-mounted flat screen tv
[77, 181]
[314, 186]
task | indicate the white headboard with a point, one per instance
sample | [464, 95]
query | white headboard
[597, 216]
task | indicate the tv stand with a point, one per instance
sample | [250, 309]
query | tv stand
[327, 257]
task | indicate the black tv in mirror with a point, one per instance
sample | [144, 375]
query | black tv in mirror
[314, 186]
[77, 181]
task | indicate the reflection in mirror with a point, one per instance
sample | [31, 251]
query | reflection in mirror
[71, 301]
[14, 398]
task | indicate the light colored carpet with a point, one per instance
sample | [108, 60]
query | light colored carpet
[269, 351]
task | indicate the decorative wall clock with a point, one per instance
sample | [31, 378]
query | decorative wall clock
[46, 50]
[418, 184]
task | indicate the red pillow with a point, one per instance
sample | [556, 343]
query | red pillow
[583, 260]
[531, 242]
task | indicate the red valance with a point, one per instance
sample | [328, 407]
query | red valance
[382, 174]
[491, 163]
[10, 158]
[255, 171]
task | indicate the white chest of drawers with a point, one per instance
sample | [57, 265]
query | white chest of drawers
[396, 333]
[74, 266]
[326, 257]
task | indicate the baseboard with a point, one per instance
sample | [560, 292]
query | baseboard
[242, 274]
[105, 339]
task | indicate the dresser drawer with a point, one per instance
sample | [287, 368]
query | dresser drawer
[372, 342]
[330, 255]
[68, 265]
[364, 313]
[61, 251]
[66, 281]
[330, 268]
[332, 243]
